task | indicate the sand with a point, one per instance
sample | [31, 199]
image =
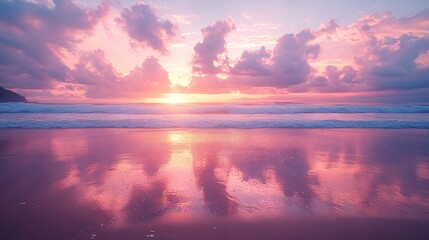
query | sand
[214, 184]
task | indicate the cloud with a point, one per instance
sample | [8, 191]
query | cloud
[150, 79]
[252, 63]
[379, 52]
[33, 37]
[335, 79]
[101, 80]
[384, 53]
[32, 34]
[391, 63]
[375, 53]
[329, 27]
[290, 57]
[96, 74]
[207, 57]
[287, 65]
[145, 28]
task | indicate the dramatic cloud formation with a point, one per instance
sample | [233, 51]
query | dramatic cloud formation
[392, 63]
[253, 63]
[375, 53]
[208, 57]
[61, 49]
[288, 65]
[385, 53]
[35, 36]
[32, 34]
[145, 28]
[335, 79]
[101, 80]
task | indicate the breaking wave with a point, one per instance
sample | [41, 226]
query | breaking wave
[207, 109]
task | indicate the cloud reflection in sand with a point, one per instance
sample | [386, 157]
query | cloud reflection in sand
[134, 176]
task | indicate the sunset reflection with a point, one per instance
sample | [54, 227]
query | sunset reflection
[133, 177]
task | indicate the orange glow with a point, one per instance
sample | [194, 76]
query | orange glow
[175, 98]
[184, 98]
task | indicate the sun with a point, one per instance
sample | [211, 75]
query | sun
[174, 98]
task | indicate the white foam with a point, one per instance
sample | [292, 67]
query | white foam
[246, 121]
[207, 109]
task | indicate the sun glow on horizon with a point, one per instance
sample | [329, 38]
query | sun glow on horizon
[186, 98]
[174, 98]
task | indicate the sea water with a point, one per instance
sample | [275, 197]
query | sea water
[248, 116]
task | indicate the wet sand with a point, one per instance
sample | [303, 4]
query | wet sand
[214, 184]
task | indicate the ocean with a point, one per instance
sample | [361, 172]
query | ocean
[219, 171]
[34, 115]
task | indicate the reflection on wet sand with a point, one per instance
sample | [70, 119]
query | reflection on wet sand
[121, 182]
[290, 166]
[206, 162]
[147, 204]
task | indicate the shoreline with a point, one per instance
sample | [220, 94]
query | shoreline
[222, 183]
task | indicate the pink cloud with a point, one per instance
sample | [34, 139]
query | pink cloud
[290, 58]
[392, 63]
[101, 80]
[32, 33]
[207, 57]
[384, 54]
[253, 63]
[150, 79]
[32, 38]
[335, 79]
[330, 27]
[145, 28]
[375, 53]
[287, 65]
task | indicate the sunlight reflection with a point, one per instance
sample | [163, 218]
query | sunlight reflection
[138, 177]
[175, 98]
[175, 138]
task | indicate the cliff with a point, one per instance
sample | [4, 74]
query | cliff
[9, 96]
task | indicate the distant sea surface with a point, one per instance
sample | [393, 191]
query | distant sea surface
[247, 116]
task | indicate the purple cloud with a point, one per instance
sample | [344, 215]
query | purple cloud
[207, 53]
[330, 27]
[147, 29]
[150, 79]
[253, 63]
[30, 35]
[392, 63]
[101, 80]
[383, 54]
[290, 57]
[335, 79]
[94, 69]
[287, 67]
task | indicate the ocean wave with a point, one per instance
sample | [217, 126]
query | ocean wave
[45, 121]
[207, 109]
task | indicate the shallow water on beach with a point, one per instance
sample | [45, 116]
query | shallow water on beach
[214, 183]
[237, 116]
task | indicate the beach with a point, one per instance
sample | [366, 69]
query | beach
[218, 120]
[224, 183]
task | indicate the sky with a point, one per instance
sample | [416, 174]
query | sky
[215, 51]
